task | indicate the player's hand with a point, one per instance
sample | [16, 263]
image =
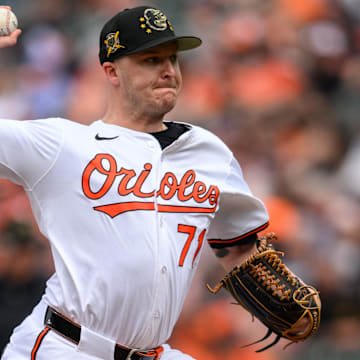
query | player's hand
[10, 40]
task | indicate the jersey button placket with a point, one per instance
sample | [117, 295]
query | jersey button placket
[161, 221]
[151, 144]
[156, 315]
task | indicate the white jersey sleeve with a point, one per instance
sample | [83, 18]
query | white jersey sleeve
[28, 149]
[240, 213]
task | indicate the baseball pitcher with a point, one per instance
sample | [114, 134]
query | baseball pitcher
[127, 204]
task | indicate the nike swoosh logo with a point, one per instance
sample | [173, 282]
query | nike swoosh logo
[98, 137]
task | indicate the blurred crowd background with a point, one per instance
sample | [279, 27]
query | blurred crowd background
[279, 82]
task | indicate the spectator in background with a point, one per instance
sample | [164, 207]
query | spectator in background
[21, 284]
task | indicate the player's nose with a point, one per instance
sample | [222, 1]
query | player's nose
[169, 69]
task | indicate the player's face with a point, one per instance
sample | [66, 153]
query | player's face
[151, 80]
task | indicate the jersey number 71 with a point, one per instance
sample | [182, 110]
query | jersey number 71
[190, 230]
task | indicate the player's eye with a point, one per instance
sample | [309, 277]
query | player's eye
[152, 60]
[174, 58]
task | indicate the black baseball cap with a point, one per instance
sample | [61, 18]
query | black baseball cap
[138, 29]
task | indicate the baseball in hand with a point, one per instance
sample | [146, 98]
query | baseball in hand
[8, 22]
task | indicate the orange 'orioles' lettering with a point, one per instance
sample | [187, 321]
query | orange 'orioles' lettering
[168, 186]
[188, 188]
[96, 164]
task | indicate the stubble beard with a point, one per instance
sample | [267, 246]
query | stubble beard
[152, 108]
[164, 106]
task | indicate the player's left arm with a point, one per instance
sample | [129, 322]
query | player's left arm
[232, 256]
[255, 274]
[268, 289]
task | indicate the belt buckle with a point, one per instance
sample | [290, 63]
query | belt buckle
[156, 351]
[131, 353]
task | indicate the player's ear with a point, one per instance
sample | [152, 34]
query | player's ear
[111, 72]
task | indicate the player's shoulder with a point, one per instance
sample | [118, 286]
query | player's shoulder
[45, 123]
[59, 122]
[60, 125]
[56, 121]
[55, 128]
[202, 136]
[205, 133]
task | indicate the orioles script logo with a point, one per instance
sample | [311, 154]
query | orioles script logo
[185, 189]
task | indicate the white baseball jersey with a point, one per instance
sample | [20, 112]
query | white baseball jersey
[126, 220]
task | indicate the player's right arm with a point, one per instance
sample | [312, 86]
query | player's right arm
[11, 40]
[28, 149]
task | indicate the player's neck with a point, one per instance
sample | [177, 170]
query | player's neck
[134, 120]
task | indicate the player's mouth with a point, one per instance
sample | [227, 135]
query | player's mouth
[166, 89]
[172, 88]
[167, 84]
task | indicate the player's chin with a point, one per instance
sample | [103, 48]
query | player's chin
[168, 95]
[167, 102]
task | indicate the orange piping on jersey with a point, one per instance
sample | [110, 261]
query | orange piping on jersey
[233, 240]
[38, 341]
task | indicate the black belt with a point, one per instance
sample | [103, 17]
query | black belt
[72, 331]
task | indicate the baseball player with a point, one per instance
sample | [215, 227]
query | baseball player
[127, 204]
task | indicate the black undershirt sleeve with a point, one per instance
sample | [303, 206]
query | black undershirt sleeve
[250, 239]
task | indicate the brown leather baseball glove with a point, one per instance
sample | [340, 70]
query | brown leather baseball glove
[266, 288]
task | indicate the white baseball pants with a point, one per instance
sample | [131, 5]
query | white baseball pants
[32, 341]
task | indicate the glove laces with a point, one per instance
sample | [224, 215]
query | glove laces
[264, 275]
